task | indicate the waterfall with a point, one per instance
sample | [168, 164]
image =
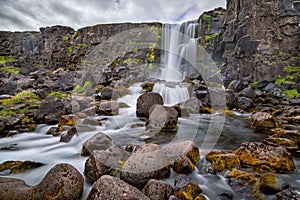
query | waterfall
[179, 53]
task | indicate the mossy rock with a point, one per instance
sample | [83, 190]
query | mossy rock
[222, 161]
[19, 166]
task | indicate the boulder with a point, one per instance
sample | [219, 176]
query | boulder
[108, 108]
[244, 103]
[162, 119]
[52, 108]
[105, 162]
[183, 165]
[67, 136]
[185, 188]
[222, 160]
[158, 190]
[107, 93]
[288, 194]
[63, 181]
[110, 188]
[264, 157]
[193, 105]
[145, 101]
[262, 120]
[270, 183]
[148, 162]
[99, 141]
[186, 148]
[18, 166]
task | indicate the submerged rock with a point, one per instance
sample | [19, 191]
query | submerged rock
[148, 162]
[99, 141]
[162, 119]
[145, 101]
[264, 157]
[158, 190]
[110, 188]
[63, 181]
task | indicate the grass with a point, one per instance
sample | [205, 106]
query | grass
[81, 89]
[10, 70]
[293, 93]
[5, 59]
[21, 97]
[57, 95]
[6, 112]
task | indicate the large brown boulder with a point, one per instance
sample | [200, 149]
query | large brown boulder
[145, 101]
[264, 157]
[63, 181]
[148, 162]
[162, 119]
[110, 188]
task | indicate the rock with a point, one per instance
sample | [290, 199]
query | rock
[263, 157]
[245, 185]
[19, 166]
[158, 190]
[244, 103]
[222, 160]
[66, 120]
[105, 162]
[282, 142]
[230, 97]
[185, 188]
[107, 93]
[193, 105]
[288, 194]
[67, 136]
[91, 122]
[51, 108]
[236, 85]
[271, 184]
[99, 141]
[55, 131]
[262, 120]
[162, 119]
[187, 149]
[183, 165]
[90, 111]
[148, 162]
[63, 181]
[144, 103]
[247, 92]
[110, 188]
[108, 108]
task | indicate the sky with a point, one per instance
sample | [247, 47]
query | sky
[30, 15]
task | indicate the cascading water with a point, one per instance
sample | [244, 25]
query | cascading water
[179, 53]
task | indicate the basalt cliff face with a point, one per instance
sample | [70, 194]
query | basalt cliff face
[250, 40]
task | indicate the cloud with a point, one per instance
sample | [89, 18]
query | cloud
[20, 15]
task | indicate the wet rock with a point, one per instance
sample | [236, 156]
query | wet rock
[288, 194]
[187, 148]
[236, 85]
[66, 120]
[185, 188]
[55, 131]
[91, 122]
[230, 97]
[99, 141]
[264, 157]
[19, 166]
[52, 108]
[244, 184]
[107, 93]
[89, 111]
[193, 105]
[262, 120]
[105, 162]
[108, 187]
[182, 111]
[67, 136]
[162, 119]
[183, 165]
[271, 184]
[144, 103]
[283, 142]
[222, 160]
[245, 103]
[158, 190]
[148, 162]
[108, 108]
[172, 197]
[247, 92]
[63, 181]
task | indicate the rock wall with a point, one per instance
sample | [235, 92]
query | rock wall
[261, 39]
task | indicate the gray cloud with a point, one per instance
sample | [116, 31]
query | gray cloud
[20, 15]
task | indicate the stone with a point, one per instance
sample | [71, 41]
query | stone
[193, 105]
[185, 188]
[55, 131]
[162, 119]
[99, 141]
[288, 194]
[104, 162]
[18, 166]
[51, 108]
[186, 148]
[158, 190]
[144, 103]
[148, 162]
[67, 136]
[183, 165]
[264, 157]
[270, 183]
[107, 93]
[236, 85]
[230, 97]
[63, 181]
[108, 108]
[110, 188]
[244, 103]
[247, 92]
[262, 120]
[222, 160]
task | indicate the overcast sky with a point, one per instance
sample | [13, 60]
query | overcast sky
[21, 15]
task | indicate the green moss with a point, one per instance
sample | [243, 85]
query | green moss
[293, 93]
[27, 120]
[10, 70]
[81, 89]
[69, 49]
[5, 59]
[281, 55]
[75, 34]
[292, 69]
[288, 79]
[65, 38]
[57, 95]
[82, 45]
[21, 97]
[6, 112]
